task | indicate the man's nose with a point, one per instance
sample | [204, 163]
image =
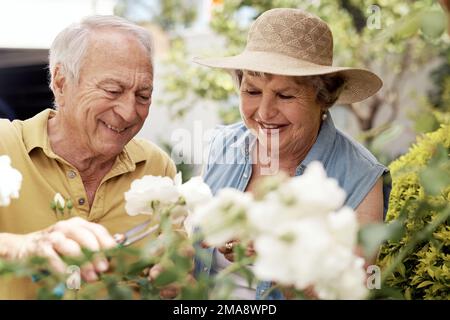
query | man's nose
[126, 107]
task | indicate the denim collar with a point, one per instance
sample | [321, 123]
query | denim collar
[320, 150]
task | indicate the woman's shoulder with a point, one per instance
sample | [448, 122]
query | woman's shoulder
[350, 150]
[355, 167]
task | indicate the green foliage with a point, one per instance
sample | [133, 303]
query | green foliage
[435, 110]
[420, 197]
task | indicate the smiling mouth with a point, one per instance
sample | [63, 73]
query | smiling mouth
[115, 129]
[271, 126]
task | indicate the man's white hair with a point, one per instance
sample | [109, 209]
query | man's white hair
[71, 44]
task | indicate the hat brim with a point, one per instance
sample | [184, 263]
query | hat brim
[360, 84]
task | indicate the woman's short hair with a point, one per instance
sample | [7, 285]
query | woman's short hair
[328, 87]
[71, 44]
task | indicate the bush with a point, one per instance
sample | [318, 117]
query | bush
[425, 272]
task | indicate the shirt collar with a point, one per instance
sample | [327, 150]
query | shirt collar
[320, 150]
[36, 136]
[35, 132]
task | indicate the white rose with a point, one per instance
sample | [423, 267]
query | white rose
[224, 217]
[313, 192]
[291, 253]
[350, 284]
[265, 215]
[147, 190]
[195, 192]
[10, 181]
[344, 226]
[270, 263]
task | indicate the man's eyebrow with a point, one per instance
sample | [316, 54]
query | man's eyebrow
[122, 84]
[111, 81]
[150, 88]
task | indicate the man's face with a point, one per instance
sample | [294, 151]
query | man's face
[110, 102]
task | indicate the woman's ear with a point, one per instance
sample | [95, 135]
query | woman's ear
[59, 85]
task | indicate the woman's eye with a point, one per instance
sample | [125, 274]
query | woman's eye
[252, 92]
[285, 97]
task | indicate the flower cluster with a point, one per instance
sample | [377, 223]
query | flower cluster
[302, 234]
[10, 181]
[152, 193]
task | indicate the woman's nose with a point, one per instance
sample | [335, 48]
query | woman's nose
[267, 109]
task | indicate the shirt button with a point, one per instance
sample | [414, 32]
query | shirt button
[245, 175]
[71, 174]
[81, 201]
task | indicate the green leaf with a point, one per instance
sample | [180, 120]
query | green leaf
[183, 264]
[427, 122]
[433, 23]
[372, 236]
[435, 177]
[425, 284]
[166, 277]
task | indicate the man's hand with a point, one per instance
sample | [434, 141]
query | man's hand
[65, 238]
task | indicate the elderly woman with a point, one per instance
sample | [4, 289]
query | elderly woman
[287, 84]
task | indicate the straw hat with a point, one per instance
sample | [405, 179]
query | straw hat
[293, 42]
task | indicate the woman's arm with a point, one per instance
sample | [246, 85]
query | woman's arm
[370, 210]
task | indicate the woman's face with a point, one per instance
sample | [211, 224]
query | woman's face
[279, 105]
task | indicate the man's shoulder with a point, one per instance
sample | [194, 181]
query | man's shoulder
[9, 132]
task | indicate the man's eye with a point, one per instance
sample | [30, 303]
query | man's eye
[112, 91]
[285, 97]
[144, 98]
[253, 92]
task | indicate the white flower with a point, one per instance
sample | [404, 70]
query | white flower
[59, 201]
[223, 218]
[348, 284]
[265, 215]
[344, 226]
[195, 192]
[150, 191]
[306, 253]
[297, 248]
[302, 234]
[10, 181]
[270, 260]
[312, 193]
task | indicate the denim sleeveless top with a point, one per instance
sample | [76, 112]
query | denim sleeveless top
[229, 164]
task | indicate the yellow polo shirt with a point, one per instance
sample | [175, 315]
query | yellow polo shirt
[45, 174]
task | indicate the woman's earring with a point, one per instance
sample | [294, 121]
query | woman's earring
[324, 116]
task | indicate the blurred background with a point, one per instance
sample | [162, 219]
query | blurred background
[404, 42]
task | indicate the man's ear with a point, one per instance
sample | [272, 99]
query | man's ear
[59, 85]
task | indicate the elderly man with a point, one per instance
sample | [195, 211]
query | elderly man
[102, 80]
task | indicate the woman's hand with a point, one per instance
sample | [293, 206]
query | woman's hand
[65, 238]
[228, 252]
[172, 290]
